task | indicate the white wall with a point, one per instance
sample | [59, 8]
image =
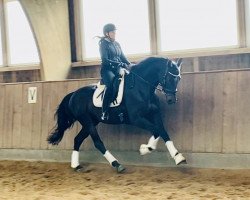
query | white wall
[50, 22]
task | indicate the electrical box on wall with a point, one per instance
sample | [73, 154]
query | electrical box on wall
[32, 94]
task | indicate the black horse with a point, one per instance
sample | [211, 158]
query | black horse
[140, 107]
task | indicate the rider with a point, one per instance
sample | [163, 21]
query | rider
[113, 60]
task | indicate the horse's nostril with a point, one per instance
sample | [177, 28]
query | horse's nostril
[171, 101]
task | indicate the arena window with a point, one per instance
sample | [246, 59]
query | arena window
[247, 21]
[130, 17]
[164, 27]
[18, 44]
[1, 49]
[197, 24]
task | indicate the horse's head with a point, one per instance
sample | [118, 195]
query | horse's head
[170, 80]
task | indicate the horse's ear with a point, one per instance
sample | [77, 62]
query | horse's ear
[179, 62]
[171, 62]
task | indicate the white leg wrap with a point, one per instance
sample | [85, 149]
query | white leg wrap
[75, 159]
[109, 157]
[144, 149]
[179, 158]
[153, 142]
[172, 150]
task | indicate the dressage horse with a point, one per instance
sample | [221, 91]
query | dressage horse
[140, 107]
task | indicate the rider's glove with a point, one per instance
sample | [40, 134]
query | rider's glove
[123, 71]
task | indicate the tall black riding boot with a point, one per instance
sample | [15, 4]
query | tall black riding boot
[106, 103]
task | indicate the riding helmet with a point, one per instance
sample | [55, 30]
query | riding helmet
[108, 28]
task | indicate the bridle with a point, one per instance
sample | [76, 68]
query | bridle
[163, 83]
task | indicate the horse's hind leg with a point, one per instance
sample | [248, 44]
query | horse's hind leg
[100, 146]
[81, 136]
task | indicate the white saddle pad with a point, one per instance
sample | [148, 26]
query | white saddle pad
[98, 94]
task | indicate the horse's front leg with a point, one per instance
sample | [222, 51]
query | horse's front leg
[155, 125]
[100, 146]
[153, 140]
[144, 123]
[151, 145]
[178, 157]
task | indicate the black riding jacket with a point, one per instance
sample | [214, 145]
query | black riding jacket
[112, 56]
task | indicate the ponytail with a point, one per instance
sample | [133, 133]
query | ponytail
[99, 37]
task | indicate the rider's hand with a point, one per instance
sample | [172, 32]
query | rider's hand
[126, 71]
[123, 65]
[123, 71]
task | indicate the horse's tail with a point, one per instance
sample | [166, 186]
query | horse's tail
[64, 121]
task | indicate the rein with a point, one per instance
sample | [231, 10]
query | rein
[156, 88]
[162, 81]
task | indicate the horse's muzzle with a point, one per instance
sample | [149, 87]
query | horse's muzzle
[171, 98]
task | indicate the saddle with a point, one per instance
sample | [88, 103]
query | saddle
[99, 93]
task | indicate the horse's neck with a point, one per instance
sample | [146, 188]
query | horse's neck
[140, 85]
[150, 76]
[140, 91]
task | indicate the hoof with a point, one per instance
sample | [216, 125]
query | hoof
[120, 169]
[79, 168]
[179, 159]
[182, 162]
